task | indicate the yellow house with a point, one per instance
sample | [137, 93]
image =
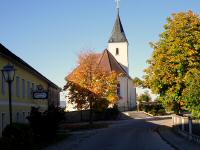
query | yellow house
[25, 82]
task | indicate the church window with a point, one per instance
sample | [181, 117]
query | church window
[117, 51]
[118, 89]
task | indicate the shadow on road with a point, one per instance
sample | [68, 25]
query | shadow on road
[132, 130]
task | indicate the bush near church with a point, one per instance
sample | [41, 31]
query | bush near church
[153, 108]
[107, 114]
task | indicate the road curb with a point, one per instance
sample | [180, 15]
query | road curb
[148, 114]
[166, 140]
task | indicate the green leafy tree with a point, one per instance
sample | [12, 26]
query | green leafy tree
[192, 92]
[176, 53]
[138, 82]
[145, 97]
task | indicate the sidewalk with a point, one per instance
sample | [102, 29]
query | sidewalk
[176, 141]
[166, 132]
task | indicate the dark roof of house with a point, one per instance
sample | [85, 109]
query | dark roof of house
[4, 51]
[109, 63]
[118, 34]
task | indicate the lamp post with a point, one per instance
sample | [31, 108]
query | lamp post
[8, 72]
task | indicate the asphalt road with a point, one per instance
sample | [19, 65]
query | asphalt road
[133, 134]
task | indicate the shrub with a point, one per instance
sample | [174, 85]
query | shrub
[153, 108]
[45, 124]
[161, 112]
[42, 128]
[153, 111]
[107, 114]
[101, 104]
[17, 136]
[111, 113]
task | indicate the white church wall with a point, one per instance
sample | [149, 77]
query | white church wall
[122, 82]
[69, 106]
[123, 103]
[122, 57]
[127, 94]
[132, 94]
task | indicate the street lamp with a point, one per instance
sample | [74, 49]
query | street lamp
[8, 72]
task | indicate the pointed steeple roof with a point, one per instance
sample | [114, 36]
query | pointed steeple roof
[118, 34]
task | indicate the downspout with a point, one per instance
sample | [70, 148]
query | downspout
[49, 96]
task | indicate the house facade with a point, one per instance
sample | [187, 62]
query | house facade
[26, 81]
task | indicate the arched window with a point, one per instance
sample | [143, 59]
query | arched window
[117, 51]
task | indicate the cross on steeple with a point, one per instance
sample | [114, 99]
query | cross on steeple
[118, 43]
[118, 34]
[117, 1]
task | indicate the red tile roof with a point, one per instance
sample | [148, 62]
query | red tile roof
[108, 62]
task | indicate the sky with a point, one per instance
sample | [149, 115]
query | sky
[49, 34]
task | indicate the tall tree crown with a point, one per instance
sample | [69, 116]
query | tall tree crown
[176, 53]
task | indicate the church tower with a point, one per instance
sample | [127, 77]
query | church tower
[118, 43]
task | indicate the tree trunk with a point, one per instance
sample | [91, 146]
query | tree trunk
[81, 114]
[91, 112]
[179, 108]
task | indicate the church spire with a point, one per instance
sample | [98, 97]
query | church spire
[118, 34]
[117, 1]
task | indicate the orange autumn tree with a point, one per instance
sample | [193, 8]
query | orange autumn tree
[90, 86]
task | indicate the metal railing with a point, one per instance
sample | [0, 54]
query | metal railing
[187, 126]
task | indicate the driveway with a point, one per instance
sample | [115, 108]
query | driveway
[137, 133]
